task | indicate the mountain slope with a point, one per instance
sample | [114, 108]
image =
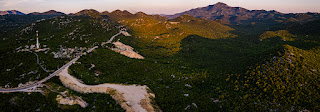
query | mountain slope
[89, 12]
[288, 77]
[284, 34]
[238, 15]
[118, 14]
[10, 23]
[11, 12]
[308, 28]
[156, 36]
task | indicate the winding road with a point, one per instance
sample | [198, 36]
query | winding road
[114, 37]
[132, 98]
[35, 85]
[32, 87]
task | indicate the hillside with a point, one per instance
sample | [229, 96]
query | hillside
[118, 14]
[285, 80]
[311, 28]
[9, 23]
[284, 34]
[89, 12]
[154, 35]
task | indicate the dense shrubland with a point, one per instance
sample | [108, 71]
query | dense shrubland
[186, 64]
[286, 81]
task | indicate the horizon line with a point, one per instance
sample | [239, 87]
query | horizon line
[133, 12]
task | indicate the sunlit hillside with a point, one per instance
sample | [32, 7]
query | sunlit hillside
[156, 36]
[214, 58]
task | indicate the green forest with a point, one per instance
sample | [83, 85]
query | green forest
[191, 64]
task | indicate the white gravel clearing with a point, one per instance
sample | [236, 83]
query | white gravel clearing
[132, 94]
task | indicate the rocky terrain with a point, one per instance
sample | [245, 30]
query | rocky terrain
[71, 101]
[132, 98]
[126, 50]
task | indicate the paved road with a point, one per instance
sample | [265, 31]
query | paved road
[110, 40]
[92, 49]
[114, 37]
[33, 86]
[26, 88]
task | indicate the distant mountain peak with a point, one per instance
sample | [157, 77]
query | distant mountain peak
[116, 11]
[89, 12]
[125, 11]
[50, 12]
[227, 14]
[141, 14]
[105, 13]
[11, 12]
[53, 12]
[119, 12]
[221, 4]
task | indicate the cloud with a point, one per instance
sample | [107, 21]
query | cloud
[16, 2]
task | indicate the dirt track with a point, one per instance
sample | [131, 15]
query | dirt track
[133, 98]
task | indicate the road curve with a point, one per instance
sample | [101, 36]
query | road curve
[33, 86]
[114, 37]
[41, 81]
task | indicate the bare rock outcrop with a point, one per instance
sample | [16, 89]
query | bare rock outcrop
[132, 98]
[71, 101]
[126, 50]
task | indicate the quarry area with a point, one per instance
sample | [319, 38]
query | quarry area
[125, 50]
[133, 98]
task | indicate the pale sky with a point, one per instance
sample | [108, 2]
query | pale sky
[155, 6]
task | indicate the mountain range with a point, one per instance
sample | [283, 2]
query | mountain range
[50, 12]
[238, 15]
[210, 58]
[220, 12]
[15, 12]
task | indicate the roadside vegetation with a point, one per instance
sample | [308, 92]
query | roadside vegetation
[55, 33]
